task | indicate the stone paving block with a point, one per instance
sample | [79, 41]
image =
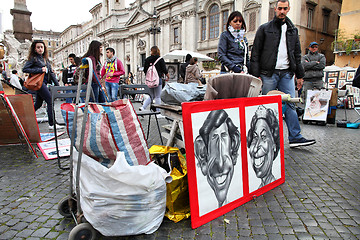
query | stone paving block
[25, 233]
[42, 232]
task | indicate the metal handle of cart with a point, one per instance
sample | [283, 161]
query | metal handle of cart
[82, 134]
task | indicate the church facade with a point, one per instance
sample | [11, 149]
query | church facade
[193, 25]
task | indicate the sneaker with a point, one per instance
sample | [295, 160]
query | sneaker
[57, 126]
[302, 142]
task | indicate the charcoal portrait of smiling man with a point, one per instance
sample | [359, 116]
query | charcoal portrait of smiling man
[218, 159]
[263, 143]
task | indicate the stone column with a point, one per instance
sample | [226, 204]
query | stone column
[22, 25]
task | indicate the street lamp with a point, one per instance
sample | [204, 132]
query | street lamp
[154, 30]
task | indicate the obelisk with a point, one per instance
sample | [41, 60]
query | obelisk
[22, 25]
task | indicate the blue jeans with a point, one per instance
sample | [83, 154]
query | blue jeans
[69, 100]
[98, 93]
[112, 90]
[284, 82]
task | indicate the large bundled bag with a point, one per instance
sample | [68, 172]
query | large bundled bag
[176, 93]
[110, 128]
[121, 200]
[177, 191]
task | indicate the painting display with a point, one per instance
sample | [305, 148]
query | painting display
[173, 70]
[234, 152]
[48, 148]
[317, 105]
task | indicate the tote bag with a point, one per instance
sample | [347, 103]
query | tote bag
[110, 128]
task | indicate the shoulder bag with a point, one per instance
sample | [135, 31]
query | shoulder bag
[34, 81]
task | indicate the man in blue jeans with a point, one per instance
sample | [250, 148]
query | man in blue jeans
[275, 58]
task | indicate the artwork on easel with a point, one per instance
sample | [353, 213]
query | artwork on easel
[342, 75]
[350, 76]
[263, 145]
[225, 170]
[317, 105]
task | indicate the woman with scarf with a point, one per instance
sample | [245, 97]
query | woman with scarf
[111, 71]
[38, 62]
[233, 46]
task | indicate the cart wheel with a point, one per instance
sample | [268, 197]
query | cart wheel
[83, 231]
[306, 121]
[64, 208]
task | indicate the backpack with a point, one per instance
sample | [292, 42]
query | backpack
[152, 76]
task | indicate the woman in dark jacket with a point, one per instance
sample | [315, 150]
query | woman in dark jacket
[161, 70]
[94, 52]
[38, 63]
[233, 46]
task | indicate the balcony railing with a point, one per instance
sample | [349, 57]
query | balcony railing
[347, 46]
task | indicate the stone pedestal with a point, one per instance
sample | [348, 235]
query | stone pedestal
[22, 25]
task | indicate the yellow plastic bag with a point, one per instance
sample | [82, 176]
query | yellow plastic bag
[177, 192]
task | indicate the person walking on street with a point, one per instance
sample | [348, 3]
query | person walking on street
[38, 62]
[68, 77]
[94, 52]
[193, 74]
[233, 46]
[314, 64]
[183, 66]
[161, 70]
[112, 70]
[275, 58]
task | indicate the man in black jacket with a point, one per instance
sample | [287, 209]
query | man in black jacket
[183, 66]
[314, 64]
[275, 58]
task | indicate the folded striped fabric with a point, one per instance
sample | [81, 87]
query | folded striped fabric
[110, 128]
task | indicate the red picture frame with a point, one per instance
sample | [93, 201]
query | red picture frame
[208, 199]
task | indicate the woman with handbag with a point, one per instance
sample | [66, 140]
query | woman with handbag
[192, 74]
[233, 46]
[38, 63]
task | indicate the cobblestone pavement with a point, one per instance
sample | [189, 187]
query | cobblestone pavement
[320, 198]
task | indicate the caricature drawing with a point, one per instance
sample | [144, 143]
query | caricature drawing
[216, 150]
[263, 142]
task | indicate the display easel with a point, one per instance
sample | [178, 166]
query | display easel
[15, 121]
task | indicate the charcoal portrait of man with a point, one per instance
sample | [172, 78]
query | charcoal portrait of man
[217, 151]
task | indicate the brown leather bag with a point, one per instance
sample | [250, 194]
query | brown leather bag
[34, 81]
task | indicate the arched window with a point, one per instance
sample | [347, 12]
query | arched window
[214, 16]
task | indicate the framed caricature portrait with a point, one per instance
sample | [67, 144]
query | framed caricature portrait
[341, 83]
[342, 75]
[332, 80]
[332, 74]
[350, 76]
[221, 172]
[263, 145]
[173, 69]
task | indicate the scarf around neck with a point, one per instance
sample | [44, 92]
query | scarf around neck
[112, 60]
[238, 35]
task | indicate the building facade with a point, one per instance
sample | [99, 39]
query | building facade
[347, 43]
[193, 25]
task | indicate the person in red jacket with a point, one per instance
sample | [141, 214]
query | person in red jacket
[112, 70]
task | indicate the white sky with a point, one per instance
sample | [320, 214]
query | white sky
[56, 15]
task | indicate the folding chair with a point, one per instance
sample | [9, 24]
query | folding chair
[60, 92]
[141, 89]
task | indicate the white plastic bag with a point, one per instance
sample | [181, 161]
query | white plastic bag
[122, 200]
